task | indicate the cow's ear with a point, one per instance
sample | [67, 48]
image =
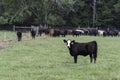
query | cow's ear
[73, 41]
[64, 41]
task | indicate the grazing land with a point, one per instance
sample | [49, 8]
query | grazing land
[48, 59]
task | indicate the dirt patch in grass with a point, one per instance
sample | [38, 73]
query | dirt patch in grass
[6, 43]
[3, 45]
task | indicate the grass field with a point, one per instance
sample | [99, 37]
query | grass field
[48, 59]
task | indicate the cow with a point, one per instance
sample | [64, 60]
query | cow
[76, 33]
[63, 32]
[86, 32]
[56, 33]
[116, 32]
[81, 31]
[84, 49]
[33, 33]
[51, 32]
[19, 35]
[93, 31]
[101, 32]
[69, 31]
[40, 32]
[43, 31]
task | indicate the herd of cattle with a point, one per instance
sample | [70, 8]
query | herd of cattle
[78, 32]
[74, 32]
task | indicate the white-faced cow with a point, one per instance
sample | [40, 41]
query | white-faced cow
[84, 49]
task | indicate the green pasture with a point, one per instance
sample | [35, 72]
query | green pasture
[47, 58]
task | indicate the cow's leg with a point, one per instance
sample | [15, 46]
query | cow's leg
[94, 59]
[34, 37]
[75, 59]
[19, 39]
[40, 34]
[91, 58]
[95, 56]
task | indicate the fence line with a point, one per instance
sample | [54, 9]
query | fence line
[36, 28]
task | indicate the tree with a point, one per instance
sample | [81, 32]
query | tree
[60, 12]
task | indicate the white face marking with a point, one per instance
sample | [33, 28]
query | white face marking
[68, 43]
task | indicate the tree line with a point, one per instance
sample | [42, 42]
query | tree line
[60, 12]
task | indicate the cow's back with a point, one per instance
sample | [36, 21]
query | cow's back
[92, 46]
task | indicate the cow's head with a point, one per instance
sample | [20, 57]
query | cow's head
[69, 42]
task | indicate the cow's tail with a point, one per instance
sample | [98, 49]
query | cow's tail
[96, 49]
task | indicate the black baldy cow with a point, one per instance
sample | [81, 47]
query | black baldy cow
[84, 49]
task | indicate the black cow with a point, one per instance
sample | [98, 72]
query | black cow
[41, 31]
[19, 35]
[113, 32]
[56, 33]
[93, 31]
[63, 32]
[84, 49]
[33, 33]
